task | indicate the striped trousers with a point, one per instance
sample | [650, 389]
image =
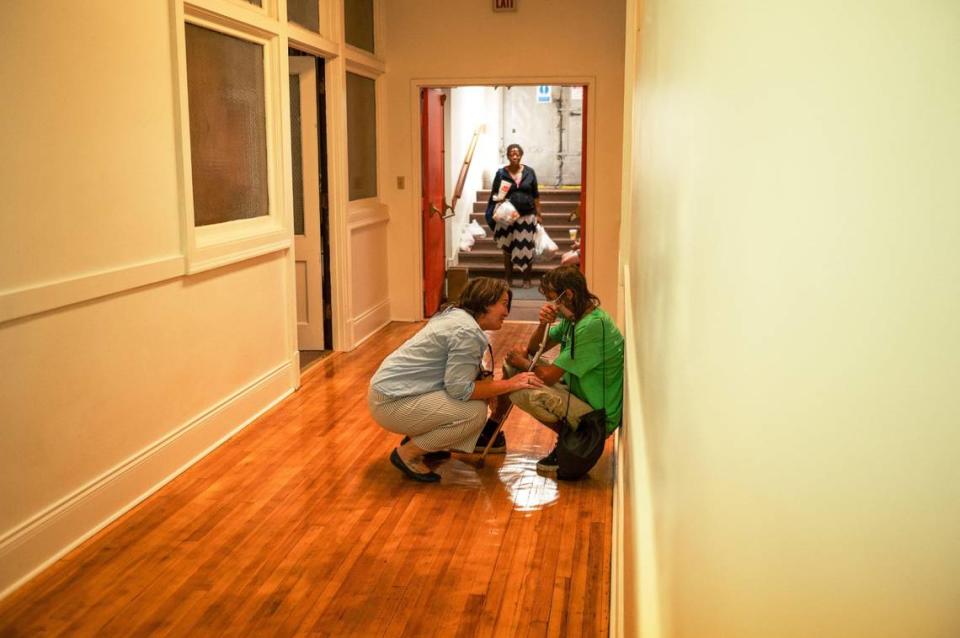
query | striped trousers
[433, 421]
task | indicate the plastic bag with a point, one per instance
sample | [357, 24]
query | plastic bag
[476, 230]
[543, 245]
[467, 240]
[505, 213]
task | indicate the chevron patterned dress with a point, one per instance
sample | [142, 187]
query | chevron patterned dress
[518, 238]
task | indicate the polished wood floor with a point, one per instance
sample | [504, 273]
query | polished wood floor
[299, 525]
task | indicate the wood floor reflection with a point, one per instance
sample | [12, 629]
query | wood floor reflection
[299, 525]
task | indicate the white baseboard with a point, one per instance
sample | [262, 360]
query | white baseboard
[367, 323]
[616, 546]
[34, 545]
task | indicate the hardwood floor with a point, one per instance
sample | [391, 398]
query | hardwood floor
[299, 525]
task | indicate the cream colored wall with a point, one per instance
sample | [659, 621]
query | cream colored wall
[102, 400]
[463, 42]
[793, 252]
[81, 103]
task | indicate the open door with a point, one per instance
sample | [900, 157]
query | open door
[433, 207]
[307, 245]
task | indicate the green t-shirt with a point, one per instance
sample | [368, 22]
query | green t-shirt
[592, 361]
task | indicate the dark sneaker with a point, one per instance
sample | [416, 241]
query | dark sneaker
[549, 463]
[439, 455]
[499, 444]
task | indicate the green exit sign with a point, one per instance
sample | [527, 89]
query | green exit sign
[504, 5]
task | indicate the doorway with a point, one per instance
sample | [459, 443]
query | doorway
[464, 137]
[310, 208]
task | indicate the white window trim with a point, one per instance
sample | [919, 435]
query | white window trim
[216, 245]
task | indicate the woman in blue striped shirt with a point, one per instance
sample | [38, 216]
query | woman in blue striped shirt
[432, 388]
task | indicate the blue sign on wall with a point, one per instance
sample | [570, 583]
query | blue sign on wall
[544, 94]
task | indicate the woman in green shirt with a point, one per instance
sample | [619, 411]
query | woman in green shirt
[587, 374]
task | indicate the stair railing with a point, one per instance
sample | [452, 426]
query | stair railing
[458, 190]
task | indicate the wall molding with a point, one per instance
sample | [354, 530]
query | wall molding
[367, 214]
[31, 547]
[367, 323]
[37, 298]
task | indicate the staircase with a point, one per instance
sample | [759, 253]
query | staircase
[485, 259]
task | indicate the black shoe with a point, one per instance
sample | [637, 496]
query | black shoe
[549, 463]
[438, 455]
[499, 444]
[423, 477]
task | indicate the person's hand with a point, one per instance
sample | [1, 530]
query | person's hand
[517, 357]
[548, 313]
[525, 381]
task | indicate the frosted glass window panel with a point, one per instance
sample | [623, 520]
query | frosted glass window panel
[362, 136]
[306, 13]
[228, 138]
[296, 153]
[358, 23]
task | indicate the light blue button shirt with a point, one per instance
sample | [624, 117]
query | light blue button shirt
[444, 355]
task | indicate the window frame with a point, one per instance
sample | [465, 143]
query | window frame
[215, 245]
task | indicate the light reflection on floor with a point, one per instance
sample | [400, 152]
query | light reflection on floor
[516, 473]
[528, 490]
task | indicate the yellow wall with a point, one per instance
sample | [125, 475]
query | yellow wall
[793, 233]
[465, 42]
[102, 400]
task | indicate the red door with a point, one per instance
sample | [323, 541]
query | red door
[431, 126]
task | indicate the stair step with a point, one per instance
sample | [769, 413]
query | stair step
[549, 219]
[487, 243]
[565, 208]
[496, 269]
[551, 194]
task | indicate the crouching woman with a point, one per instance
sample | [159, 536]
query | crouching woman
[433, 388]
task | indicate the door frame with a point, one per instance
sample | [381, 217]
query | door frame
[416, 178]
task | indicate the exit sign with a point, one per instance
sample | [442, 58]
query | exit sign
[504, 5]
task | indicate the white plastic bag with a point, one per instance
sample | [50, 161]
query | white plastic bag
[467, 240]
[476, 230]
[505, 213]
[543, 245]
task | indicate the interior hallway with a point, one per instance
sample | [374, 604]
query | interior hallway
[299, 524]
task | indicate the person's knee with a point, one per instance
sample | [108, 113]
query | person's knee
[544, 405]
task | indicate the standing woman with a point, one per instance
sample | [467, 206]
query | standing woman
[431, 388]
[516, 239]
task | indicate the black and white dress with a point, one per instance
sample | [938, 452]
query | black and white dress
[517, 237]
